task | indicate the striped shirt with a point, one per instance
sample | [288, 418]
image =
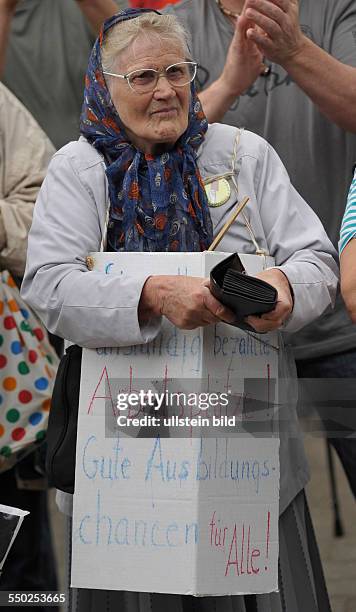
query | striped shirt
[348, 226]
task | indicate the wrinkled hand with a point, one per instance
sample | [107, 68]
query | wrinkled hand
[243, 61]
[277, 35]
[276, 318]
[186, 301]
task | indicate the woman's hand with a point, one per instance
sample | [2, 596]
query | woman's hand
[186, 301]
[277, 317]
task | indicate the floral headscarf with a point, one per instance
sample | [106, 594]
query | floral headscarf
[157, 203]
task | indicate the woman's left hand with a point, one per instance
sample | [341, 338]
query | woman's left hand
[275, 318]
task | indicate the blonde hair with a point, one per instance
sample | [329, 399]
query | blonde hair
[123, 35]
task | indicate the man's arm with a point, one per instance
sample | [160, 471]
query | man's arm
[347, 248]
[329, 83]
[96, 11]
[7, 9]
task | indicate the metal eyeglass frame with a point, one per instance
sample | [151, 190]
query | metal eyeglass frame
[163, 71]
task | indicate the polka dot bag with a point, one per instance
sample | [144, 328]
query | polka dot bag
[28, 366]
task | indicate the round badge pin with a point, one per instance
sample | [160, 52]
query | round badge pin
[218, 192]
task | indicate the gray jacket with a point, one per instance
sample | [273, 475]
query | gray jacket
[101, 310]
[69, 222]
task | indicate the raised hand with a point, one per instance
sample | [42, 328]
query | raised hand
[243, 61]
[278, 35]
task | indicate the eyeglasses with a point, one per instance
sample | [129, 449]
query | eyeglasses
[145, 80]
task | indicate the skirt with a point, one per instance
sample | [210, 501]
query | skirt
[301, 581]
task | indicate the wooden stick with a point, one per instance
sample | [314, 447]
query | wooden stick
[228, 223]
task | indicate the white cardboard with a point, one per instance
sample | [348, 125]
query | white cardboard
[175, 515]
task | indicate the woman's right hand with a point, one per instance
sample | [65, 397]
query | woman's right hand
[186, 301]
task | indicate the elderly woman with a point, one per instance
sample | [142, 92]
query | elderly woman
[143, 168]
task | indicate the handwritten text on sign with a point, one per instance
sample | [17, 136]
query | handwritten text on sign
[203, 513]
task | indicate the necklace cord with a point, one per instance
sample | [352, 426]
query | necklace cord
[226, 11]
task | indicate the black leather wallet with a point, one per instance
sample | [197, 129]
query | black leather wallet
[245, 295]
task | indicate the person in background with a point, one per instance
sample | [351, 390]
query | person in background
[347, 249]
[25, 152]
[48, 76]
[287, 71]
[153, 4]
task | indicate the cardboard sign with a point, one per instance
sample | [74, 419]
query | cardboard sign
[200, 511]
